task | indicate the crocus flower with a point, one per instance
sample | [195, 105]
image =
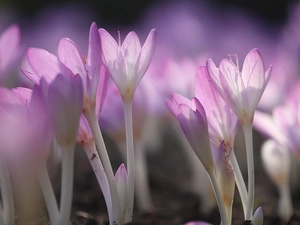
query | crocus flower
[127, 63]
[283, 124]
[222, 121]
[65, 100]
[69, 63]
[192, 119]
[28, 123]
[241, 90]
[16, 119]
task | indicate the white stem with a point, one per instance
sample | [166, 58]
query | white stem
[66, 184]
[130, 159]
[247, 128]
[285, 207]
[219, 198]
[93, 156]
[239, 180]
[94, 125]
[141, 179]
[48, 194]
[8, 209]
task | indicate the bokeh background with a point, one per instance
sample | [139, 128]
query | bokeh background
[121, 12]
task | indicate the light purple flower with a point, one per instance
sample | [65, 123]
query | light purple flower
[27, 123]
[241, 90]
[70, 62]
[283, 125]
[65, 99]
[127, 63]
[193, 121]
[222, 122]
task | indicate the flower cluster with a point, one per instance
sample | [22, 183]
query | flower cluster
[63, 108]
[66, 100]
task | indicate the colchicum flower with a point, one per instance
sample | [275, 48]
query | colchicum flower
[192, 119]
[241, 90]
[127, 63]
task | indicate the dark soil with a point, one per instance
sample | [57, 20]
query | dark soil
[173, 203]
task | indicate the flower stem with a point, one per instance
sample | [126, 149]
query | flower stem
[285, 207]
[130, 159]
[8, 209]
[94, 125]
[219, 198]
[93, 156]
[247, 128]
[141, 179]
[239, 180]
[48, 193]
[66, 184]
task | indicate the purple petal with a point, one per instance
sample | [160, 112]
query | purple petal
[114, 60]
[195, 129]
[264, 123]
[145, 57]
[204, 90]
[176, 100]
[219, 82]
[109, 47]
[94, 60]
[198, 107]
[70, 56]
[9, 46]
[253, 75]
[102, 89]
[23, 93]
[131, 49]
[65, 99]
[223, 122]
[44, 64]
[31, 76]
